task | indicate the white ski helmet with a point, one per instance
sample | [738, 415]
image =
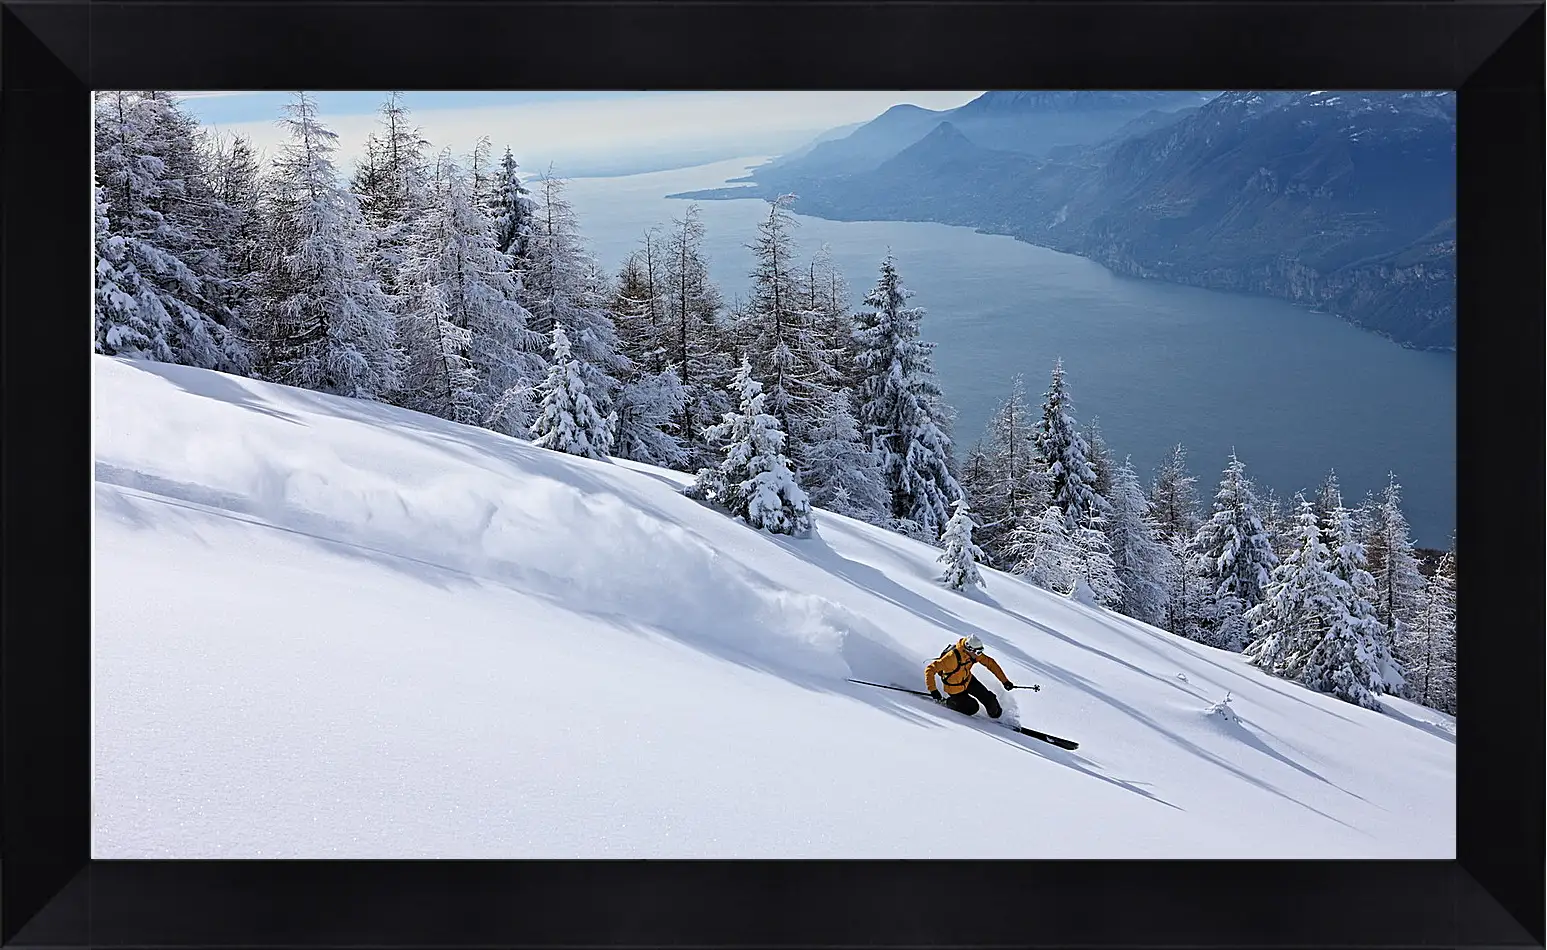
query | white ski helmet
[975, 643]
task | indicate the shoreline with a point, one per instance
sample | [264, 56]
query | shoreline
[724, 194]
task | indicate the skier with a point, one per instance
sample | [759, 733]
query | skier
[963, 691]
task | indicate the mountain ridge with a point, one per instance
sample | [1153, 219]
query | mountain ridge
[1333, 200]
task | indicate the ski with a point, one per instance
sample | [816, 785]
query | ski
[1062, 743]
[1069, 744]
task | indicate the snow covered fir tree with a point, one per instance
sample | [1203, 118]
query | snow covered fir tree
[156, 201]
[1005, 474]
[961, 556]
[1429, 649]
[1389, 551]
[1041, 551]
[841, 473]
[1356, 593]
[325, 324]
[1235, 558]
[755, 480]
[900, 407]
[1174, 504]
[1312, 625]
[1071, 480]
[1299, 606]
[459, 286]
[1139, 559]
[567, 420]
[1096, 581]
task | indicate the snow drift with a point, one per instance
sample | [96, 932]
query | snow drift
[331, 628]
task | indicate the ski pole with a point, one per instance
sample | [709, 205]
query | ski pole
[918, 692]
[900, 689]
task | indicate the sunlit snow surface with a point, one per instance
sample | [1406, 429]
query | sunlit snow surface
[331, 629]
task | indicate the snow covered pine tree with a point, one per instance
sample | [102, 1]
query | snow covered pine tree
[1141, 561]
[1430, 648]
[324, 321]
[1004, 477]
[775, 328]
[754, 481]
[1095, 575]
[899, 406]
[453, 253]
[1356, 592]
[1389, 548]
[567, 420]
[840, 473]
[153, 192]
[961, 556]
[1071, 480]
[1313, 627]
[1299, 603]
[125, 325]
[1042, 552]
[696, 343]
[1175, 506]
[1236, 558]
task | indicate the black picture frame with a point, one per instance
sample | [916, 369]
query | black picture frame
[53, 53]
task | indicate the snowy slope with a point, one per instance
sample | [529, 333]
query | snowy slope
[326, 628]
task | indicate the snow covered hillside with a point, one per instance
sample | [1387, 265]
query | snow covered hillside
[328, 628]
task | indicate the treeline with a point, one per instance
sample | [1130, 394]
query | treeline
[414, 283]
[444, 284]
[828, 407]
[1316, 590]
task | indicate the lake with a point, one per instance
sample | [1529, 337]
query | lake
[1293, 392]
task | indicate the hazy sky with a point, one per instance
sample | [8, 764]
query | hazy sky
[578, 131]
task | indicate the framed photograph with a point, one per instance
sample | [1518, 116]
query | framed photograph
[762, 474]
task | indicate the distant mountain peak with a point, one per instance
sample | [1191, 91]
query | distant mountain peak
[946, 132]
[944, 141]
[907, 108]
[943, 146]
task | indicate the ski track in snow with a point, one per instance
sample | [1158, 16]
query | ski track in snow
[330, 628]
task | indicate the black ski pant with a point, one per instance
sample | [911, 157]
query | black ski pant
[966, 701]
